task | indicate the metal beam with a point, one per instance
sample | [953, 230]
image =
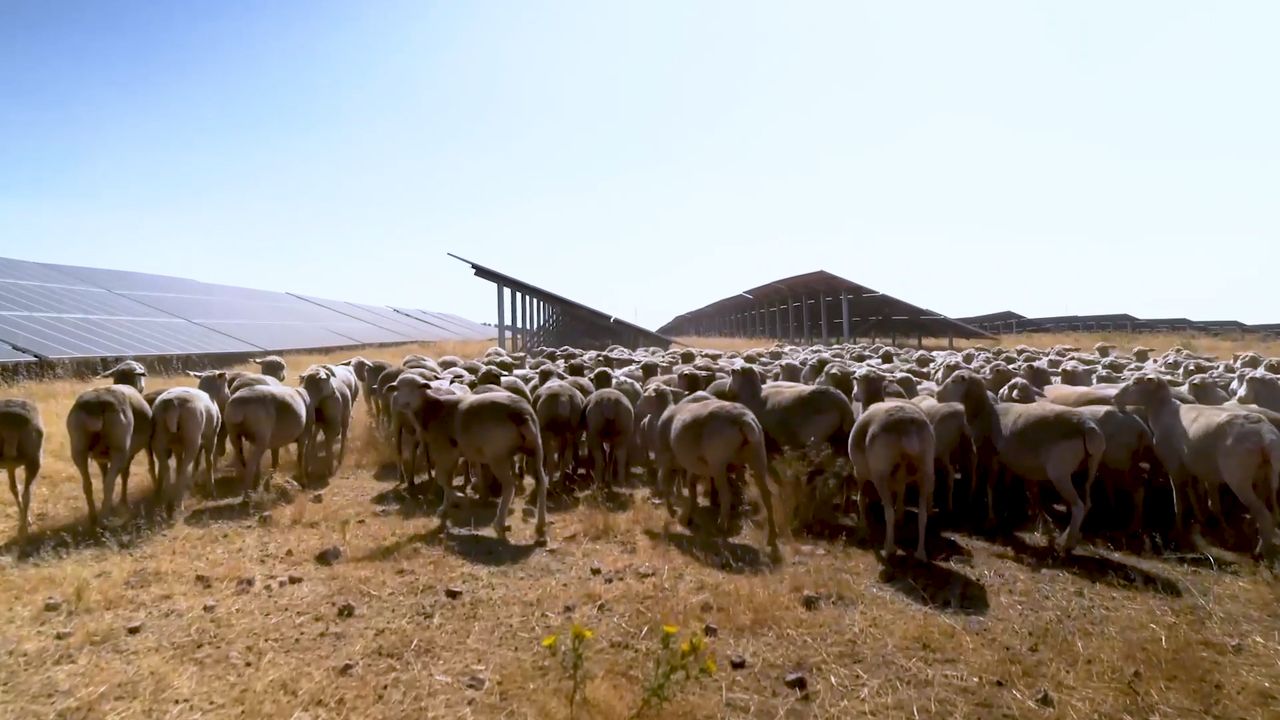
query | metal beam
[502, 332]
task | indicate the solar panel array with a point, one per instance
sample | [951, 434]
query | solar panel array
[63, 311]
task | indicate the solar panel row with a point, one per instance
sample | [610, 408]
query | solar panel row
[63, 311]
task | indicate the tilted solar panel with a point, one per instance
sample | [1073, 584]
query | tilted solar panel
[472, 330]
[449, 332]
[379, 329]
[8, 354]
[418, 329]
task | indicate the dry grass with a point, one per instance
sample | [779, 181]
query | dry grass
[983, 632]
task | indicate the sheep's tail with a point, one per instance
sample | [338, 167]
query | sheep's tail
[910, 447]
[234, 414]
[94, 413]
[169, 416]
[530, 432]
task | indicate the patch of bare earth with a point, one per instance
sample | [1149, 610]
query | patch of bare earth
[228, 614]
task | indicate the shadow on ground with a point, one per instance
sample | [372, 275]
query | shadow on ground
[1087, 565]
[934, 586]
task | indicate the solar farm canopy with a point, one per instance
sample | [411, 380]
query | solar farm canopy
[62, 311]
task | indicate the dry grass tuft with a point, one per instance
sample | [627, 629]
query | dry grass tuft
[985, 631]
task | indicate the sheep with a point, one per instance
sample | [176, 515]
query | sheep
[21, 446]
[952, 442]
[185, 425]
[214, 383]
[1261, 389]
[703, 436]
[1018, 390]
[241, 380]
[559, 409]
[330, 410]
[267, 417]
[272, 366]
[794, 416]
[1037, 442]
[491, 430]
[1129, 443]
[1215, 445]
[1205, 391]
[110, 425]
[610, 420]
[892, 443]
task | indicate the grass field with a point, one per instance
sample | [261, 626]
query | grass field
[226, 613]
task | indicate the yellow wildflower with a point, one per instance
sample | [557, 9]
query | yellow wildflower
[686, 649]
[582, 633]
[709, 667]
[670, 629]
[549, 642]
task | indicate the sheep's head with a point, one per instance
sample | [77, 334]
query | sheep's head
[690, 380]
[908, 383]
[1143, 390]
[1142, 354]
[602, 378]
[129, 372]
[318, 382]
[1000, 375]
[489, 376]
[746, 382]
[868, 384]
[964, 386]
[1036, 374]
[214, 384]
[1258, 384]
[576, 368]
[1018, 390]
[272, 366]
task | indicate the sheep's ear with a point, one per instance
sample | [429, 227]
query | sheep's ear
[221, 374]
[195, 374]
[106, 374]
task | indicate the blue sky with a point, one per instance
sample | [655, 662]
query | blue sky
[648, 158]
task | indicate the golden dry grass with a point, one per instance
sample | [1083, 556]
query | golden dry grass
[983, 632]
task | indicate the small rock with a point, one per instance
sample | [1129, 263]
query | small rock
[294, 578]
[288, 552]
[347, 610]
[348, 667]
[597, 569]
[210, 606]
[133, 628]
[63, 634]
[245, 584]
[329, 555]
[52, 604]
[646, 571]
[204, 581]
[796, 681]
[281, 581]
[737, 662]
[710, 630]
[569, 608]
[1237, 647]
[317, 498]
[811, 601]
[1045, 700]
[453, 593]
[476, 682]
[265, 518]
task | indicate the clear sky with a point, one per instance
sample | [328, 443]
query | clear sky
[647, 158]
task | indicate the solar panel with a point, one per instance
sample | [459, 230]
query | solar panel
[381, 329]
[63, 311]
[471, 329]
[449, 332]
[8, 354]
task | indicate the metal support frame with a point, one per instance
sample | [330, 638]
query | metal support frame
[822, 303]
[804, 315]
[844, 310]
[502, 332]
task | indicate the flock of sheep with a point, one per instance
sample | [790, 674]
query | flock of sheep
[972, 437]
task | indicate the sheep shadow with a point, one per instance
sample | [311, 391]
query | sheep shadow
[1095, 568]
[237, 509]
[716, 553]
[136, 522]
[933, 586]
[422, 500]
[483, 549]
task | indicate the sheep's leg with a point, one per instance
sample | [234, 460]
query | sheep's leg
[721, 480]
[252, 468]
[81, 460]
[691, 502]
[275, 459]
[162, 478]
[444, 477]
[949, 472]
[1071, 537]
[621, 454]
[890, 516]
[664, 489]
[17, 500]
[598, 464]
[1139, 499]
[503, 471]
[110, 469]
[922, 519]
